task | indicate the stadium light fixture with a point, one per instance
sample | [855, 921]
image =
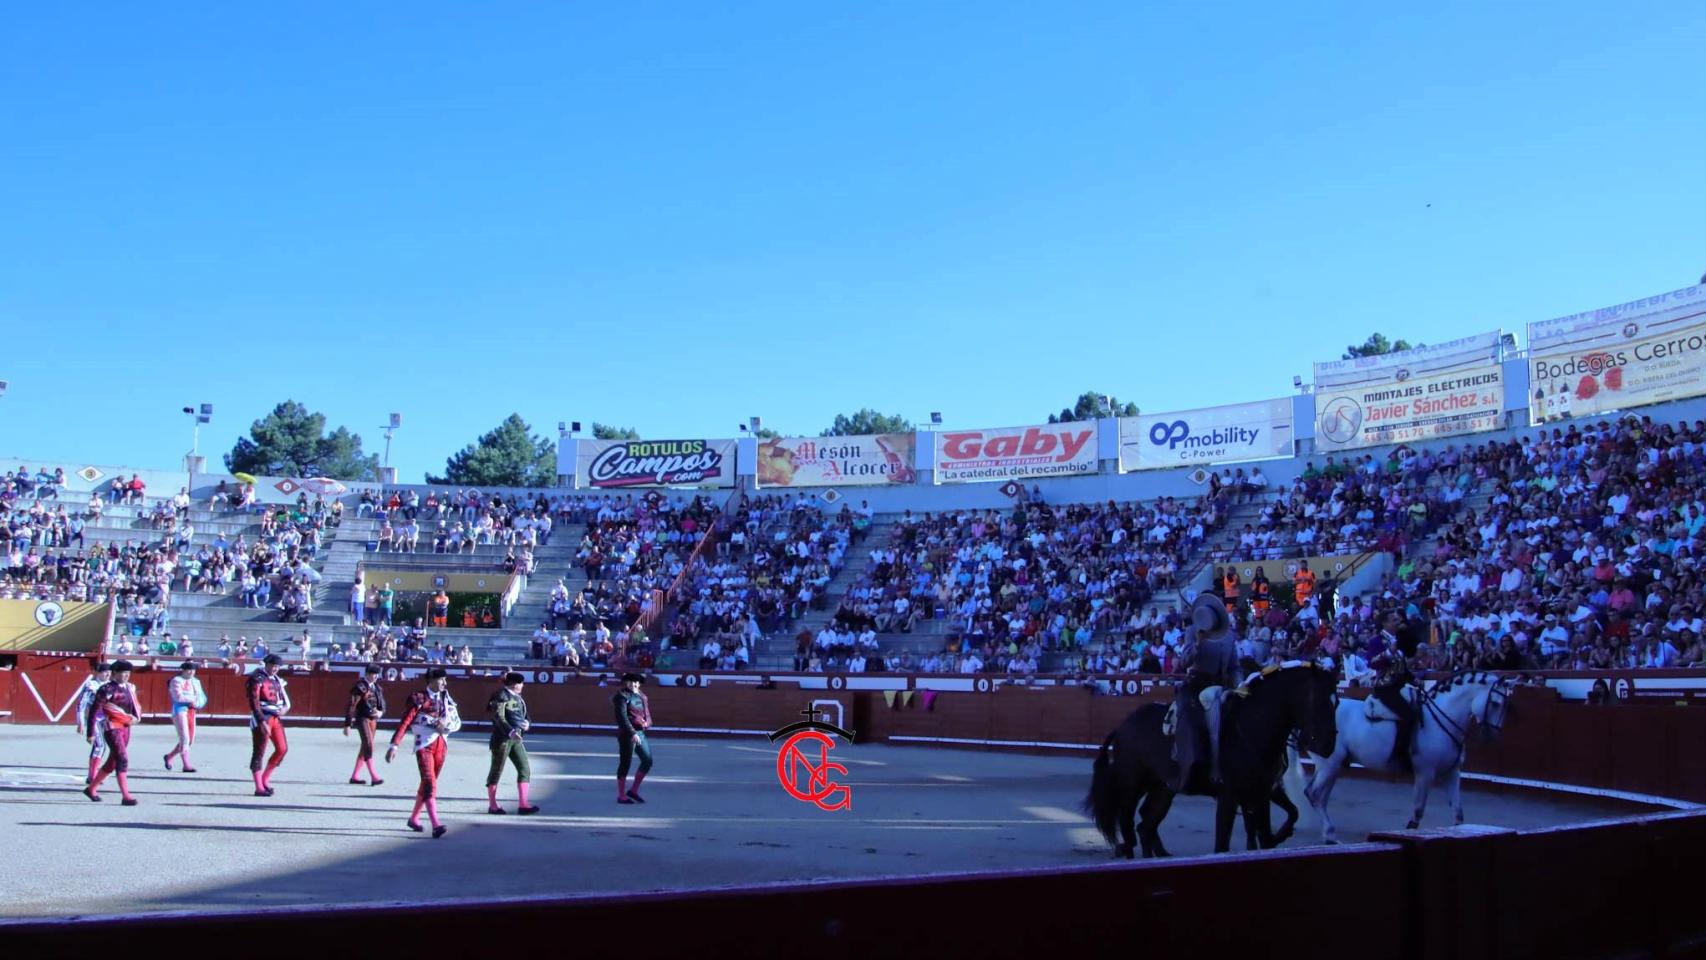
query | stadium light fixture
[391, 426]
[936, 417]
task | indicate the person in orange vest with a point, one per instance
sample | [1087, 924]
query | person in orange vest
[1260, 592]
[468, 618]
[441, 609]
[1303, 583]
[1229, 587]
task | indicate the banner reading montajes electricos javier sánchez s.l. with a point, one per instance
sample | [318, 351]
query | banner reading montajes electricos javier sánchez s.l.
[1211, 435]
[1645, 351]
[655, 463]
[1437, 391]
[837, 461]
[1011, 453]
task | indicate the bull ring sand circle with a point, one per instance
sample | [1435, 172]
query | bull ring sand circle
[717, 817]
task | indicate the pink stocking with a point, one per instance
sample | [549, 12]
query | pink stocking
[432, 810]
[123, 785]
[415, 815]
[521, 791]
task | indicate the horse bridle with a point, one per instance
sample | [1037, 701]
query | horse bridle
[1459, 734]
[1496, 690]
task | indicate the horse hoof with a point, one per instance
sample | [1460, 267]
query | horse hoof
[1329, 842]
[1411, 825]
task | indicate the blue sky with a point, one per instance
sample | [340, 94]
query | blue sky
[673, 217]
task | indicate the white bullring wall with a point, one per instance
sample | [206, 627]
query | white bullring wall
[924, 495]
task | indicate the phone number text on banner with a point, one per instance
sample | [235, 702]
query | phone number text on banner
[605, 464]
[1467, 400]
[1229, 434]
[1645, 351]
[837, 461]
[1011, 453]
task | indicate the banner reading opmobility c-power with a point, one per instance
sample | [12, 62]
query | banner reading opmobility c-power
[609, 464]
[1438, 391]
[1010, 453]
[1636, 353]
[837, 461]
[1211, 435]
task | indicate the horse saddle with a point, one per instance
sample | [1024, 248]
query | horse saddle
[1375, 711]
[1209, 698]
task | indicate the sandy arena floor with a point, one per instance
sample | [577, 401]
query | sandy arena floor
[716, 817]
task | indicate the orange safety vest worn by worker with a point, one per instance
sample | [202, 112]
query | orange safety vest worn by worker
[1304, 583]
[1229, 587]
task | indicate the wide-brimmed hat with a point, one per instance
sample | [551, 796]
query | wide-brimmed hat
[1209, 618]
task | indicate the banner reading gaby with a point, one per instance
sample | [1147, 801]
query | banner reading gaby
[1240, 431]
[1645, 351]
[655, 463]
[1439, 391]
[1010, 453]
[836, 461]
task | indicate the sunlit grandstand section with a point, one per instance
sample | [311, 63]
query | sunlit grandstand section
[1535, 508]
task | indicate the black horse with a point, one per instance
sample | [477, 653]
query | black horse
[1254, 731]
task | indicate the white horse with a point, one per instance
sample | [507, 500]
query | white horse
[1436, 750]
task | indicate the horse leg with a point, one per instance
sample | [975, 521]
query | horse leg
[1128, 830]
[1284, 803]
[1259, 816]
[1453, 793]
[1155, 807]
[1320, 791]
[1225, 811]
[1424, 780]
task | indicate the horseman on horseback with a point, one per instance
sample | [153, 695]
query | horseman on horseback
[1389, 656]
[1197, 708]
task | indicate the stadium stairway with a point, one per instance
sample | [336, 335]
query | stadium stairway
[776, 651]
[205, 616]
[507, 644]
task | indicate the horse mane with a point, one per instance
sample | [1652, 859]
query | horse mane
[1255, 679]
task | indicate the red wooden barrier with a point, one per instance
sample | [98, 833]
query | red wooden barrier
[1642, 749]
[1219, 907]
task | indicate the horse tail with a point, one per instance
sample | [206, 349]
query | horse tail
[1292, 779]
[1100, 803]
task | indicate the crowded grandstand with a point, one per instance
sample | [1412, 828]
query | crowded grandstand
[1513, 532]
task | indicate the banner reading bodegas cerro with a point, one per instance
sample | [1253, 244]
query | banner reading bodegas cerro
[1645, 351]
[1438, 391]
[1229, 434]
[837, 461]
[655, 463]
[1009, 453]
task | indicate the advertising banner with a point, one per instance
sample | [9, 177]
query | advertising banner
[1439, 391]
[836, 461]
[1011, 453]
[1229, 434]
[608, 464]
[1646, 351]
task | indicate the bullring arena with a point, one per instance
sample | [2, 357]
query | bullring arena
[1522, 578]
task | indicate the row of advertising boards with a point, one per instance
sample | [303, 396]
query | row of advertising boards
[1647, 351]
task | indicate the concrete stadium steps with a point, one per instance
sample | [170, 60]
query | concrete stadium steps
[781, 644]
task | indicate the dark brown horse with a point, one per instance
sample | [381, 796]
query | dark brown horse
[1135, 766]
